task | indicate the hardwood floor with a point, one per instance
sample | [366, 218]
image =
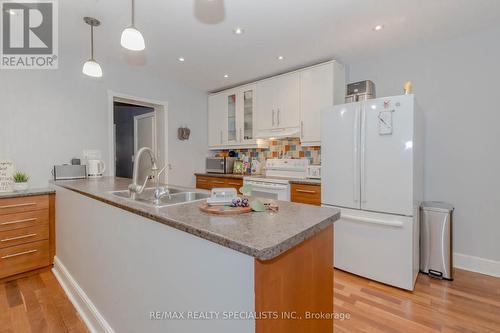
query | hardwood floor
[37, 304]
[471, 303]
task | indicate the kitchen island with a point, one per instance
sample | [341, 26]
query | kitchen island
[132, 267]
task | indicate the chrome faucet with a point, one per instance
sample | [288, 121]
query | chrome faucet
[135, 188]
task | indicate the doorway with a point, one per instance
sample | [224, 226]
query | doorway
[137, 123]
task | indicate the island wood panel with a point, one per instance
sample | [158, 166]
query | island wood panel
[300, 280]
[308, 194]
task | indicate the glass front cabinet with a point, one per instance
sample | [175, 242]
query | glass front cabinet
[231, 118]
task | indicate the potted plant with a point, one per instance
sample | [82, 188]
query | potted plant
[20, 181]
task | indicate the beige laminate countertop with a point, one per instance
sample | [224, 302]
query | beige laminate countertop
[262, 235]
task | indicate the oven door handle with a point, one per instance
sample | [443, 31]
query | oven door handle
[268, 187]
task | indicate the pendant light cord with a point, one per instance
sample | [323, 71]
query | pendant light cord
[92, 42]
[133, 13]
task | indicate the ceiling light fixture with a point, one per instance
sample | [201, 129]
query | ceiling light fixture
[378, 27]
[226, 75]
[11, 11]
[132, 38]
[280, 58]
[181, 59]
[91, 67]
[238, 31]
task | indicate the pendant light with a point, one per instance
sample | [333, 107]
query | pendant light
[131, 37]
[91, 67]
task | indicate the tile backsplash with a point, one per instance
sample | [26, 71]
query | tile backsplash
[280, 148]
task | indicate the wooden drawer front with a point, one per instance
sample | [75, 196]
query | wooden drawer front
[203, 182]
[24, 204]
[23, 236]
[236, 183]
[308, 194]
[23, 220]
[217, 182]
[23, 258]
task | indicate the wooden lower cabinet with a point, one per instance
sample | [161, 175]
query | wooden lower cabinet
[27, 234]
[209, 182]
[308, 194]
[298, 287]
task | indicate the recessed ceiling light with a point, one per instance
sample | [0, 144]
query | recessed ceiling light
[238, 31]
[280, 58]
[181, 59]
[226, 75]
[11, 11]
[378, 27]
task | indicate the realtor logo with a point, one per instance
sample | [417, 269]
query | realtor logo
[29, 34]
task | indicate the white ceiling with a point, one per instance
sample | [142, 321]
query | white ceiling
[303, 31]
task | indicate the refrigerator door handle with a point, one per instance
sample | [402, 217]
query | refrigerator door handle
[363, 155]
[397, 224]
[356, 194]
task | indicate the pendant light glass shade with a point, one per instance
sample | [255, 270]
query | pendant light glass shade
[92, 68]
[132, 39]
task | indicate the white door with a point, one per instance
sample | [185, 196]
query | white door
[316, 95]
[387, 155]
[288, 100]
[144, 136]
[340, 135]
[266, 110]
[217, 110]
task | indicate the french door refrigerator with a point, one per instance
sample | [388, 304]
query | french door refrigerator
[372, 171]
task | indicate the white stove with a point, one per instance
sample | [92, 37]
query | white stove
[275, 184]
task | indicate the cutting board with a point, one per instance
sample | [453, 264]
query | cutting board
[224, 210]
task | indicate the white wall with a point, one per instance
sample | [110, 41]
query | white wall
[49, 116]
[456, 84]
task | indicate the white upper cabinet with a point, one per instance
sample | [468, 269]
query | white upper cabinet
[287, 102]
[321, 87]
[287, 105]
[217, 115]
[316, 90]
[231, 117]
[278, 103]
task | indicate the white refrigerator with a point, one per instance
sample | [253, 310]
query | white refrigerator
[372, 171]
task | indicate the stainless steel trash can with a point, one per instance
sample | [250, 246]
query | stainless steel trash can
[436, 250]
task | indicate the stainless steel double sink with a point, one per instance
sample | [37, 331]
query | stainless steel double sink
[177, 196]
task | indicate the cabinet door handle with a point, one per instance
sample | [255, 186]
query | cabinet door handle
[241, 134]
[18, 205]
[217, 182]
[220, 137]
[18, 254]
[235, 184]
[17, 238]
[19, 221]
[202, 180]
[273, 117]
[305, 191]
[278, 117]
[302, 129]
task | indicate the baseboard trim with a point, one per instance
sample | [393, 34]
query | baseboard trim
[476, 264]
[94, 321]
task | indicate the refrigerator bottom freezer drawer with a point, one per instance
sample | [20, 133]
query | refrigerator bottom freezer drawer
[380, 247]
